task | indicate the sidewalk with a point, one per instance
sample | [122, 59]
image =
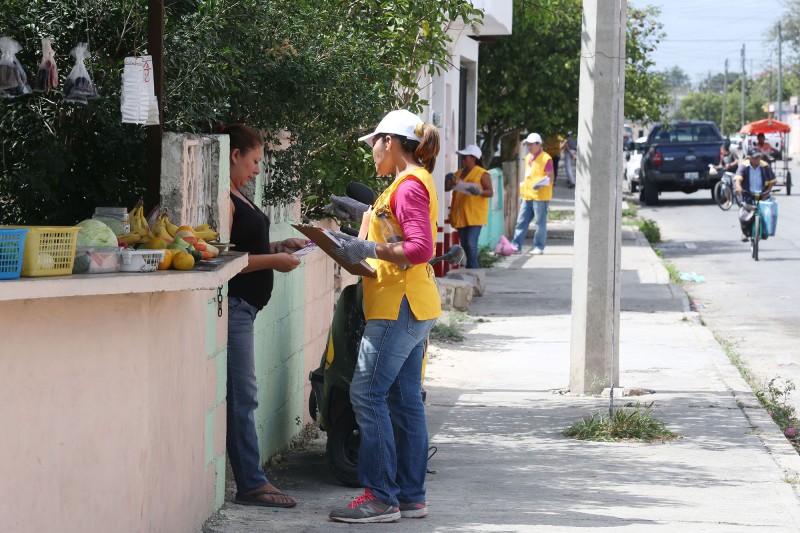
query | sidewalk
[496, 409]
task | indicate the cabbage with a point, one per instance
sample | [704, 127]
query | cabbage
[95, 233]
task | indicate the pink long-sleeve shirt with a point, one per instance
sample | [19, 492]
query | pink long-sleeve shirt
[410, 205]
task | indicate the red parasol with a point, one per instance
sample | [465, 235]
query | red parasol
[766, 125]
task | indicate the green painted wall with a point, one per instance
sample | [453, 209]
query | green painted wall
[491, 233]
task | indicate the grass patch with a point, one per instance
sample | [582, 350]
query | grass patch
[487, 258]
[447, 327]
[631, 211]
[632, 424]
[560, 214]
[773, 396]
[651, 230]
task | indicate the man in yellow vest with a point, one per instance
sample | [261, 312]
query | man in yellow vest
[535, 191]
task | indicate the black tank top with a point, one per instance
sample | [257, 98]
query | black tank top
[250, 233]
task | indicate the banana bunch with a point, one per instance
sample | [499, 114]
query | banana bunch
[140, 231]
[206, 233]
[203, 232]
[160, 228]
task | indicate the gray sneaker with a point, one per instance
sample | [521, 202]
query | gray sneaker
[365, 509]
[413, 510]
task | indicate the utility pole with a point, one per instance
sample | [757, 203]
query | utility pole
[724, 97]
[780, 76]
[594, 344]
[744, 84]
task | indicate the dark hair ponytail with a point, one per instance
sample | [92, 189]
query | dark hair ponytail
[244, 138]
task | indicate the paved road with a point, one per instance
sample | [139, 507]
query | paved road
[752, 305]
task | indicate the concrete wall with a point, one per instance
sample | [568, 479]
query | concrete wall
[110, 413]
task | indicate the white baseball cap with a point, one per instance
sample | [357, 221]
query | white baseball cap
[399, 122]
[533, 138]
[472, 150]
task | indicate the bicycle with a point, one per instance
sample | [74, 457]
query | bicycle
[759, 228]
[723, 191]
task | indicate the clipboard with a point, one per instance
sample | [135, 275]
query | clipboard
[327, 242]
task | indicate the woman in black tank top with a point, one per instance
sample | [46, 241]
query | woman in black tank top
[248, 293]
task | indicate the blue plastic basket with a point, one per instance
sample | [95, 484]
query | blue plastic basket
[12, 244]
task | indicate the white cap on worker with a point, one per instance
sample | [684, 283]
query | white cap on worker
[399, 122]
[472, 150]
[533, 138]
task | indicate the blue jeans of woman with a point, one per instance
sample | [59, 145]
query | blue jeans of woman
[468, 235]
[386, 393]
[241, 438]
[528, 210]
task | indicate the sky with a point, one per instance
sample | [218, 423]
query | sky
[701, 34]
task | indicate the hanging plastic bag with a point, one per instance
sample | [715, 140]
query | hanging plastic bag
[47, 75]
[13, 81]
[79, 87]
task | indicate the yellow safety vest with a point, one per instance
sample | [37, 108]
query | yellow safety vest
[384, 293]
[534, 171]
[469, 209]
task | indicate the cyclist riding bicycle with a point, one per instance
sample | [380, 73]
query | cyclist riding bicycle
[728, 160]
[754, 177]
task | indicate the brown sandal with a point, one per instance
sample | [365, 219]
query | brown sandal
[252, 498]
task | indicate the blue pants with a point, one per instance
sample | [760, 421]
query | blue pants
[468, 235]
[530, 210]
[241, 438]
[386, 389]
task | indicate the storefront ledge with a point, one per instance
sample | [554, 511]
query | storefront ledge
[205, 275]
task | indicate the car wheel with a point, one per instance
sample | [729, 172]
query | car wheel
[788, 183]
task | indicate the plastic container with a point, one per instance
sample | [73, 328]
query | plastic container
[12, 244]
[96, 260]
[140, 260]
[49, 250]
[769, 212]
[115, 218]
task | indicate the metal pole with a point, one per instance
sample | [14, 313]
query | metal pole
[744, 85]
[724, 97]
[155, 45]
[780, 75]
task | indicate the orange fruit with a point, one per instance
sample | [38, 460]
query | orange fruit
[185, 228]
[182, 261]
[167, 261]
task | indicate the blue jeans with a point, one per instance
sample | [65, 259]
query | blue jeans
[468, 235]
[386, 393]
[241, 438]
[529, 210]
[568, 168]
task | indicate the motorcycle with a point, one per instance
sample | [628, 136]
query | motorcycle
[329, 400]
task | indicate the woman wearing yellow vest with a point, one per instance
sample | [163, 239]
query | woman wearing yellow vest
[469, 208]
[401, 305]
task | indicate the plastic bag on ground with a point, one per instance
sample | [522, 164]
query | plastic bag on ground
[13, 81]
[504, 247]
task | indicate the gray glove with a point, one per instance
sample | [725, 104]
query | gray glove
[474, 190]
[354, 250]
[345, 208]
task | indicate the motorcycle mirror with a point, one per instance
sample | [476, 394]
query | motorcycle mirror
[360, 192]
[454, 255]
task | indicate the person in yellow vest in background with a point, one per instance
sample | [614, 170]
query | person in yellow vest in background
[552, 145]
[535, 191]
[401, 305]
[469, 208]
